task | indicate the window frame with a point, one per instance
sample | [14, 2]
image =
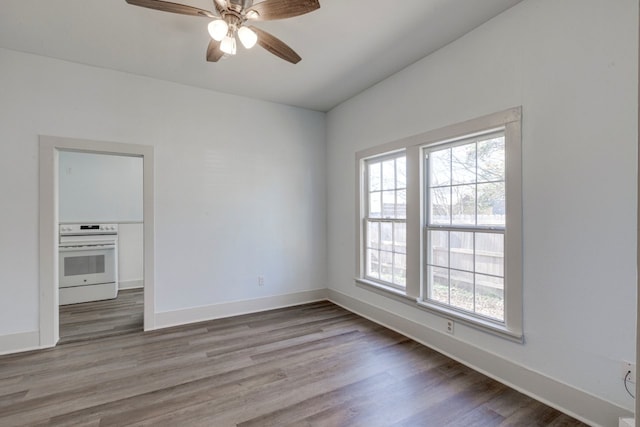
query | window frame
[429, 225]
[510, 122]
[366, 218]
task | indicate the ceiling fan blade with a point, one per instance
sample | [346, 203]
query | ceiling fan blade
[213, 51]
[220, 5]
[166, 6]
[276, 46]
[281, 9]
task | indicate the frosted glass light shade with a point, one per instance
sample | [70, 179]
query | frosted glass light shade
[248, 37]
[218, 29]
[228, 45]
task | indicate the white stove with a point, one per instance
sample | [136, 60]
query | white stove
[88, 262]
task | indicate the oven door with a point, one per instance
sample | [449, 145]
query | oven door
[87, 265]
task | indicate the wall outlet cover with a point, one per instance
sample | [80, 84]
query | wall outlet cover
[625, 367]
[450, 326]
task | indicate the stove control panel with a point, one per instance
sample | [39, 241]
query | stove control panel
[88, 229]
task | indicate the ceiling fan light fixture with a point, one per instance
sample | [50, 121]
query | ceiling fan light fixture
[252, 14]
[228, 45]
[218, 29]
[247, 37]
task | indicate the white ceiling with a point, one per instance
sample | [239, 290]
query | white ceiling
[346, 45]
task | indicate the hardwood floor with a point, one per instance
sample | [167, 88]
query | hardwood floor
[310, 365]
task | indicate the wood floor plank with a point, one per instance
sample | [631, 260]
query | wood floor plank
[310, 365]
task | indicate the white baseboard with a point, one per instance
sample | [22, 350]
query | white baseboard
[574, 402]
[236, 308]
[17, 343]
[627, 422]
[130, 284]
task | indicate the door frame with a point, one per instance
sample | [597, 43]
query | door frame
[49, 149]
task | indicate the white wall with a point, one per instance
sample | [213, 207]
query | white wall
[240, 184]
[131, 255]
[572, 65]
[99, 188]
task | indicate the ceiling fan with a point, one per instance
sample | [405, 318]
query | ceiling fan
[231, 19]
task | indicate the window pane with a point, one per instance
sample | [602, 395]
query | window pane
[462, 290]
[388, 175]
[388, 204]
[386, 266]
[401, 172]
[374, 176]
[385, 240]
[439, 248]
[491, 160]
[438, 288]
[440, 168]
[491, 204]
[399, 269]
[440, 204]
[400, 237]
[463, 205]
[490, 253]
[463, 164]
[375, 207]
[373, 235]
[372, 263]
[464, 256]
[461, 250]
[401, 204]
[386, 236]
[490, 296]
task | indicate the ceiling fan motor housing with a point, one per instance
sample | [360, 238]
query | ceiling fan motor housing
[240, 5]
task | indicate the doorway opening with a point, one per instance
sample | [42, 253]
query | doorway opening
[83, 319]
[101, 283]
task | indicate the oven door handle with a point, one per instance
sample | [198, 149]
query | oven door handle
[86, 248]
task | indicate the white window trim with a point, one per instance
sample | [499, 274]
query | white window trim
[365, 219]
[510, 121]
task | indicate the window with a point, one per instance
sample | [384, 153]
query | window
[385, 220]
[465, 224]
[440, 222]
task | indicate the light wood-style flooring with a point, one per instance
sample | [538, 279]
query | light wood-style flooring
[310, 365]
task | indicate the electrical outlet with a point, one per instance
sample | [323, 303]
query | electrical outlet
[260, 280]
[625, 367]
[450, 326]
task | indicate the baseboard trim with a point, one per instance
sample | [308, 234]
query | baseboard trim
[20, 342]
[574, 402]
[130, 284]
[235, 308]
